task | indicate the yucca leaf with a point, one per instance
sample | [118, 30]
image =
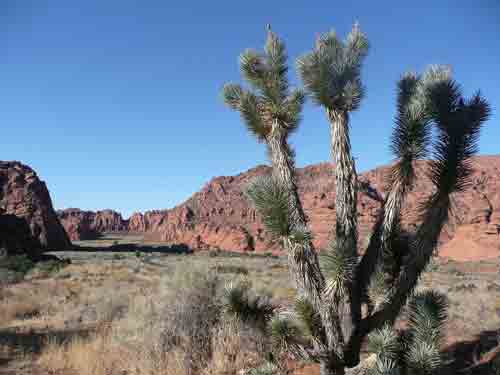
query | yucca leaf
[458, 124]
[427, 314]
[423, 358]
[276, 81]
[272, 202]
[308, 317]
[385, 343]
[301, 235]
[284, 332]
[270, 102]
[384, 367]
[241, 303]
[252, 116]
[337, 269]
[232, 94]
[253, 68]
[331, 71]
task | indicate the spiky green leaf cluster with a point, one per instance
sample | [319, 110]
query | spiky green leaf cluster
[248, 104]
[338, 269]
[308, 317]
[385, 343]
[272, 202]
[458, 123]
[284, 332]
[427, 314]
[411, 134]
[377, 287]
[301, 234]
[384, 367]
[331, 73]
[423, 359]
[270, 102]
[249, 308]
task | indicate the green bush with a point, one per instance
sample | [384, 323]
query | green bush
[17, 263]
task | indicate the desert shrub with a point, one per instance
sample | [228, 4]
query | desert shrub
[47, 268]
[20, 305]
[17, 263]
[234, 348]
[231, 268]
[176, 329]
[214, 253]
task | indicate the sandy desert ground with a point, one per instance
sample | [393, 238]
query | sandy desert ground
[109, 312]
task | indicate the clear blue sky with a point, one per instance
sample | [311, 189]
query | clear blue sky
[116, 103]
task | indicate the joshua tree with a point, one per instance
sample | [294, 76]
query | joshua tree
[271, 112]
[328, 324]
[332, 76]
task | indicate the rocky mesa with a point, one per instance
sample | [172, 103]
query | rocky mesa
[28, 222]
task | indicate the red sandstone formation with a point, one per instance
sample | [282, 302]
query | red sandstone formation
[219, 216]
[28, 222]
[85, 225]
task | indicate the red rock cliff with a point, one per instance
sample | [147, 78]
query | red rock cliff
[219, 216]
[85, 225]
[26, 211]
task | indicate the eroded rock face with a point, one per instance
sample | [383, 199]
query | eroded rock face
[219, 216]
[86, 225]
[28, 222]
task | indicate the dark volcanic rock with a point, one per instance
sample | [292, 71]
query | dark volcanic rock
[28, 222]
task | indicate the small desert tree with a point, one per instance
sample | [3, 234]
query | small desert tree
[271, 112]
[434, 121]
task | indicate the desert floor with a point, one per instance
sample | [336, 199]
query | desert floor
[102, 313]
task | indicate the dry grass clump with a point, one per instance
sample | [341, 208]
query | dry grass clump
[21, 305]
[179, 329]
[168, 319]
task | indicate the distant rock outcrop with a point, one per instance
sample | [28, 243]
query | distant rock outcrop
[220, 217]
[28, 222]
[86, 225]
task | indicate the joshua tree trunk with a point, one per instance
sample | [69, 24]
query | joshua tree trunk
[421, 251]
[346, 181]
[378, 248]
[283, 170]
[303, 260]
[346, 234]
